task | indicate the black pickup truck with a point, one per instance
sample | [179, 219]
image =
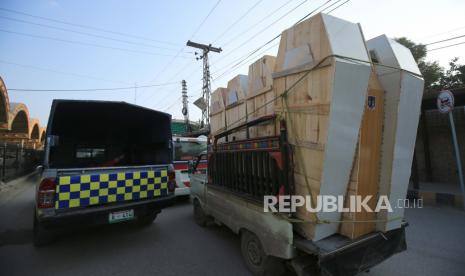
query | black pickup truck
[105, 162]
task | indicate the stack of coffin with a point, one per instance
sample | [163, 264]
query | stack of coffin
[260, 96]
[351, 125]
[236, 106]
[217, 111]
[323, 109]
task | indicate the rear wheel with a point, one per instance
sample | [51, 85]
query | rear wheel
[199, 215]
[42, 236]
[255, 258]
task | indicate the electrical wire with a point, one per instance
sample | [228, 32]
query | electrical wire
[444, 40]
[244, 58]
[58, 72]
[205, 19]
[262, 30]
[184, 47]
[90, 89]
[238, 20]
[86, 34]
[277, 36]
[256, 24]
[86, 44]
[338, 6]
[460, 43]
[86, 26]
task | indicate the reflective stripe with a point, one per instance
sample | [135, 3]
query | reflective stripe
[94, 189]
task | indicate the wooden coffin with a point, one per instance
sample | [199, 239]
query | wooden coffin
[364, 178]
[404, 90]
[323, 109]
[236, 106]
[217, 111]
[260, 95]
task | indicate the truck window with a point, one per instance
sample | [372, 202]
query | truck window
[107, 134]
[188, 150]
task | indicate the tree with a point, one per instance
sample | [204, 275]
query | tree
[454, 77]
[435, 77]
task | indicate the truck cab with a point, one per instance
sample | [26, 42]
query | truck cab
[105, 162]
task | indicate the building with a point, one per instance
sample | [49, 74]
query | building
[16, 125]
[434, 170]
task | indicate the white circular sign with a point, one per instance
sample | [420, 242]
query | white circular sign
[445, 101]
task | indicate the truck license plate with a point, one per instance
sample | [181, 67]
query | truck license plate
[121, 216]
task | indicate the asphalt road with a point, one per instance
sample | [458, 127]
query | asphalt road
[175, 245]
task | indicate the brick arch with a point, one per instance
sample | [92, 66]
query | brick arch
[4, 105]
[34, 129]
[18, 121]
[42, 134]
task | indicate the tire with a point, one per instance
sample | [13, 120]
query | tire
[199, 215]
[41, 236]
[146, 220]
[255, 258]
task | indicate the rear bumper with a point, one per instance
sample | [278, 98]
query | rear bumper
[362, 256]
[182, 191]
[99, 214]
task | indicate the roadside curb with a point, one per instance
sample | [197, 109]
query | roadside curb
[9, 189]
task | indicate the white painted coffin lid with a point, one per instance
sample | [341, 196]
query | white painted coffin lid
[391, 53]
[345, 38]
[350, 87]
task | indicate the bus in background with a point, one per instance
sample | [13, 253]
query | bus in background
[185, 150]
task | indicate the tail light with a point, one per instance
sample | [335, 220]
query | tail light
[171, 180]
[46, 193]
[186, 183]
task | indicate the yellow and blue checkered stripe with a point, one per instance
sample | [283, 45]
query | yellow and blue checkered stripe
[95, 189]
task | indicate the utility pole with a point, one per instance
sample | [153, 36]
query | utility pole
[204, 102]
[185, 107]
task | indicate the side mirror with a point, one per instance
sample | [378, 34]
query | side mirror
[39, 169]
[53, 140]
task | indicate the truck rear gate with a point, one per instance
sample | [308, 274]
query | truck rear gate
[99, 187]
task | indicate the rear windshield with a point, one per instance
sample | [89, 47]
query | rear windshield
[188, 150]
[107, 134]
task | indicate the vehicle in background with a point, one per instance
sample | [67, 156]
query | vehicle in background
[105, 162]
[186, 149]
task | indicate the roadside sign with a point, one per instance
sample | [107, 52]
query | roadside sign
[445, 101]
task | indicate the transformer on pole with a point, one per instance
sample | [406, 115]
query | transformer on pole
[204, 102]
[185, 107]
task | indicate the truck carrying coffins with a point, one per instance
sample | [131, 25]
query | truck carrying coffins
[331, 116]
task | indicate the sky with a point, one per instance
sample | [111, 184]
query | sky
[63, 45]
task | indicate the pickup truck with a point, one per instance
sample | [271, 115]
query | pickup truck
[105, 162]
[231, 193]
